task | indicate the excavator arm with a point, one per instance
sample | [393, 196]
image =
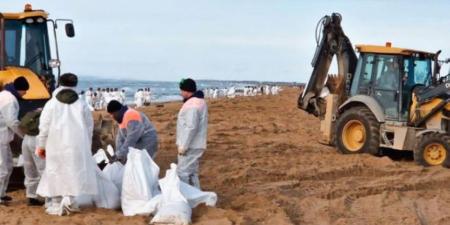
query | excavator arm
[333, 42]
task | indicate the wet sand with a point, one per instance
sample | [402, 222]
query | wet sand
[266, 164]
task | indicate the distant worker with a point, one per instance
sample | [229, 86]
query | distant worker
[116, 94]
[123, 97]
[231, 92]
[274, 90]
[102, 98]
[97, 99]
[108, 96]
[206, 91]
[135, 130]
[64, 140]
[266, 90]
[81, 95]
[147, 97]
[139, 98]
[88, 97]
[192, 125]
[9, 125]
[33, 166]
[246, 91]
[215, 93]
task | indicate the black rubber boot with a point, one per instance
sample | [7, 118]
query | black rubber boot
[6, 198]
[35, 202]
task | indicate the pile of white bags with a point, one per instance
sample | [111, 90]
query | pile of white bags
[140, 183]
[138, 190]
[174, 205]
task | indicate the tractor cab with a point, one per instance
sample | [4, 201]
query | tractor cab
[27, 44]
[389, 75]
[25, 51]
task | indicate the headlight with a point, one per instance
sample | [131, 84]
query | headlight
[54, 63]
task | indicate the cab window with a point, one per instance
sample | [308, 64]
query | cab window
[363, 75]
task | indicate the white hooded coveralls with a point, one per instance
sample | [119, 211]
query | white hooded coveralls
[192, 125]
[65, 132]
[9, 124]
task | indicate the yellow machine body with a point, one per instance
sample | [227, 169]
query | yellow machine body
[37, 88]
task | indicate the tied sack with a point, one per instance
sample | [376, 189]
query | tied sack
[140, 183]
[177, 200]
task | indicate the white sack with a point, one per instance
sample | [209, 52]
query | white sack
[140, 183]
[108, 195]
[114, 172]
[178, 198]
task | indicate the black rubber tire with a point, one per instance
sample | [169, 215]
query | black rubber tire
[427, 139]
[371, 125]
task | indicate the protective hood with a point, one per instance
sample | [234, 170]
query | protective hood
[13, 91]
[67, 96]
[30, 123]
[197, 94]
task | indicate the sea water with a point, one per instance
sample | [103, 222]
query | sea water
[162, 91]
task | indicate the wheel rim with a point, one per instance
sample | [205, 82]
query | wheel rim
[354, 135]
[434, 154]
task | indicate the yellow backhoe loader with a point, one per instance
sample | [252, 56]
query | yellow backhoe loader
[388, 97]
[25, 51]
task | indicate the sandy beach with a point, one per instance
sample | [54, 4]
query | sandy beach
[266, 164]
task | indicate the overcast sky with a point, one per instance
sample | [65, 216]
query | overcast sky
[269, 40]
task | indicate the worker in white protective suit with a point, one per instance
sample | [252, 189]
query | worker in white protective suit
[107, 96]
[274, 90]
[33, 166]
[147, 97]
[123, 97]
[267, 89]
[9, 125]
[135, 130]
[116, 94]
[88, 97]
[216, 93]
[99, 99]
[64, 140]
[139, 98]
[191, 136]
[231, 92]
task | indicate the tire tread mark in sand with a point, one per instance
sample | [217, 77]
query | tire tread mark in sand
[416, 210]
[348, 202]
[374, 190]
[351, 171]
[420, 215]
[444, 220]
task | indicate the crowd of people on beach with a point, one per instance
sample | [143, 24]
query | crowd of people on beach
[143, 97]
[98, 99]
[246, 91]
[59, 165]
